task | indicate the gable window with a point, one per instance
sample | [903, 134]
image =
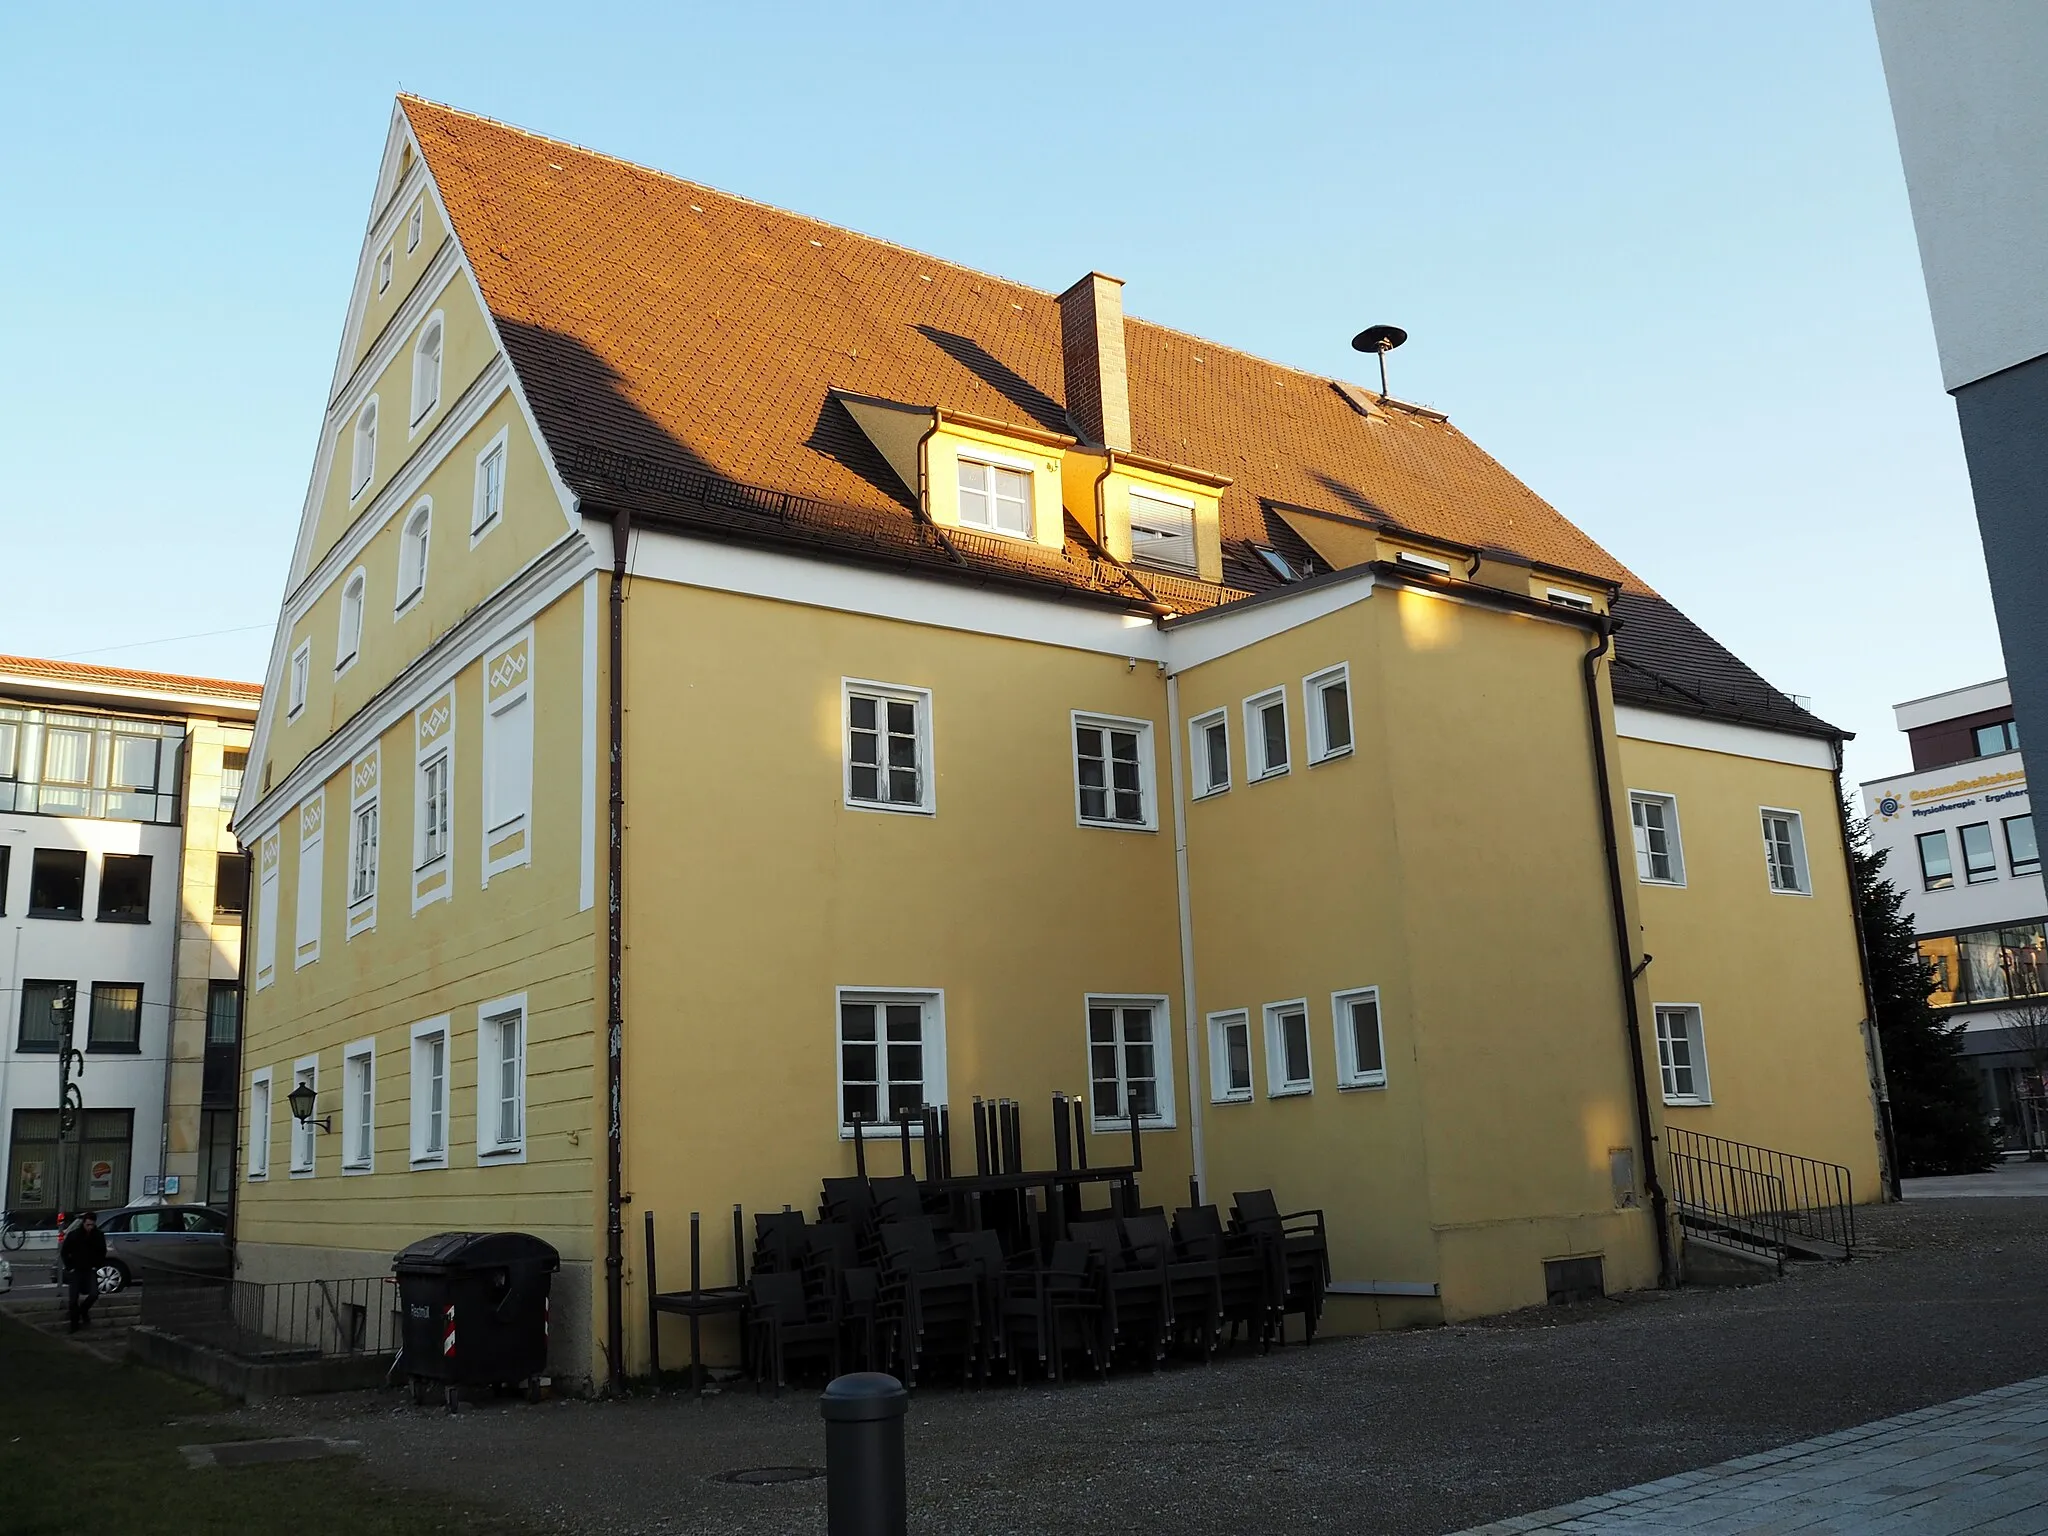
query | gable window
[1288, 1068]
[1209, 743]
[892, 1056]
[2021, 850]
[46, 1015]
[1682, 1054]
[1265, 735]
[302, 674]
[56, 883]
[1361, 1051]
[1660, 858]
[995, 498]
[359, 1107]
[259, 1124]
[1993, 739]
[888, 747]
[430, 1094]
[1163, 531]
[1129, 1063]
[348, 637]
[426, 369]
[501, 1081]
[384, 271]
[1230, 1056]
[413, 225]
[1980, 862]
[124, 888]
[1113, 771]
[412, 554]
[364, 463]
[1326, 697]
[1785, 852]
[489, 502]
[306, 1074]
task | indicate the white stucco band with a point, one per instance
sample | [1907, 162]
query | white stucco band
[1722, 736]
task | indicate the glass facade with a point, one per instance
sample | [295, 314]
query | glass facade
[104, 767]
[1987, 965]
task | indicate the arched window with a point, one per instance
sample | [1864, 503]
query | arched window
[349, 639]
[365, 464]
[426, 369]
[412, 553]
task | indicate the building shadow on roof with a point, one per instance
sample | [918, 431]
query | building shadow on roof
[836, 436]
[1357, 501]
[999, 376]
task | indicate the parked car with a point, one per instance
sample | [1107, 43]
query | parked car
[173, 1239]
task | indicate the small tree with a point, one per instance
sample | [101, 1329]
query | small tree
[2026, 1033]
[1937, 1119]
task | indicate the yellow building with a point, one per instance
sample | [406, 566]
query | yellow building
[736, 674]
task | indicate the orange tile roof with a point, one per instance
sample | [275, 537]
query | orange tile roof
[123, 677]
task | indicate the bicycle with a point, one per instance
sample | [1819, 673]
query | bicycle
[12, 1234]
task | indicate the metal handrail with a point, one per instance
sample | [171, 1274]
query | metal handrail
[1758, 1197]
[299, 1319]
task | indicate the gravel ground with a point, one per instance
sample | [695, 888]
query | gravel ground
[1420, 1432]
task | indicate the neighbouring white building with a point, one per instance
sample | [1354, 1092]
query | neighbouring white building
[121, 900]
[1960, 829]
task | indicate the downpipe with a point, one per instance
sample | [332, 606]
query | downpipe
[615, 1024]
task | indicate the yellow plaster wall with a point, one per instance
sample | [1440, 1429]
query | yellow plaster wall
[406, 271]
[954, 441]
[1110, 519]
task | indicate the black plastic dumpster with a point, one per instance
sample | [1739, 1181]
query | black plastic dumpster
[475, 1310]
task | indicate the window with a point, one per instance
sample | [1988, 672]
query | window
[359, 1107]
[1361, 1052]
[1980, 862]
[302, 674]
[501, 1081]
[430, 1094]
[362, 855]
[348, 637]
[116, 1023]
[134, 765]
[433, 799]
[414, 222]
[87, 1168]
[124, 888]
[269, 850]
[230, 885]
[1578, 602]
[1113, 771]
[1785, 852]
[259, 1124]
[1265, 735]
[490, 489]
[223, 1012]
[363, 463]
[434, 809]
[305, 1073]
[1987, 964]
[1230, 1056]
[1163, 531]
[508, 756]
[1129, 1063]
[56, 883]
[426, 369]
[995, 498]
[312, 846]
[888, 747]
[10, 747]
[46, 1015]
[1936, 872]
[1288, 1069]
[1413, 561]
[1209, 745]
[1277, 563]
[384, 271]
[234, 766]
[1660, 857]
[6, 862]
[2021, 851]
[67, 756]
[412, 554]
[1682, 1054]
[892, 1056]
[2002, 737]
[1326, 697]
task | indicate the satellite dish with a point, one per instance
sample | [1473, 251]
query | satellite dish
[1379, 340]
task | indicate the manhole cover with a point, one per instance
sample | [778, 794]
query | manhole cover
[761, 1477]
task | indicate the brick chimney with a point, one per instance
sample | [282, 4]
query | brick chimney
[1092, 347]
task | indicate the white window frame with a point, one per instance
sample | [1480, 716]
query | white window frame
[420, 1091]
[306, 909]
[1162, 1047]
[992, 462]
[1198, 753]
[384, 265]
[1148, 791]
[1349, 1073]
[1256, 768]
[920, 699]
[1180, 506]
[423, 402]
[1422, 562]
[1801, 871]
[354, 1159]
[300, 682]
[1564, 597]
[366, 783]
[1674, 839]
[1696, 1043]
[492, 1020]
[439, 747]
[362, 462]
[495, 711]
[409, 544]
[348, 637]
[1313, 687]
[1221, 1089]
[933, 1059]
[479, 525]
[258, 1132]
[415, 222]
[305, 1161]
[1278, 1084]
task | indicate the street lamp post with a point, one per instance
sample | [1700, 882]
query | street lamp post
[70, 1097]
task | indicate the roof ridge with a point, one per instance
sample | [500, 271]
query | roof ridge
[82, 668]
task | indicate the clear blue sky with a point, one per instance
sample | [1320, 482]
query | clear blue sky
[1657, 259]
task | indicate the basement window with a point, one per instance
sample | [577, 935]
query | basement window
[1567, 1280]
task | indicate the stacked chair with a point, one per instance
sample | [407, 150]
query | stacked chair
[1296, 1251]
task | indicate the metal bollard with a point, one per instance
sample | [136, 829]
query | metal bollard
[864, 1490]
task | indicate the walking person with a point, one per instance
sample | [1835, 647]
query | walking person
[82, 1252]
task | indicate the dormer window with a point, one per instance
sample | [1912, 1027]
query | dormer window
[1416, 562]
[995, 498]
[1559, 597]
[426, 370]
[365, 460]
[1162, 531]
